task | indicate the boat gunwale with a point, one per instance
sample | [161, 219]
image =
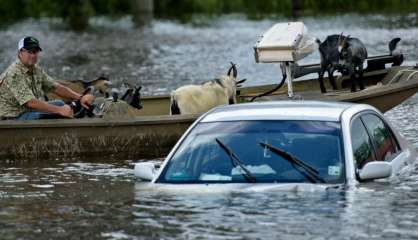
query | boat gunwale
[380, 91]
[159, 119]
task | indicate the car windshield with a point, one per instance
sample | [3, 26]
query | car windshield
[262, 151]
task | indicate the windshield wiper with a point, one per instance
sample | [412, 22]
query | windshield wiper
[236, 161]
[313, 174]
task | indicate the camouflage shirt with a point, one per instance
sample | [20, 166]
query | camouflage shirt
[19, 84]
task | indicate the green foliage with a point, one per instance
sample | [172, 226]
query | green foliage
[112, 7]
[10, 10]
[369, 6]
[166, 8]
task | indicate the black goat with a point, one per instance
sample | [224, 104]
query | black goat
[352, 54]
[133, 97]
[329, 60]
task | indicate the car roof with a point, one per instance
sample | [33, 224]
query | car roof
[280, 110]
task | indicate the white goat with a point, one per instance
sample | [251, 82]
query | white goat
[192, 99]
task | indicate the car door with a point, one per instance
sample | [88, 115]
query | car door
[361, 143]
[373, 140]
[386, 146]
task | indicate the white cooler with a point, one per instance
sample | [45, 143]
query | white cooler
[284, 42]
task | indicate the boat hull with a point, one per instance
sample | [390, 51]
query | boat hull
[146, 137]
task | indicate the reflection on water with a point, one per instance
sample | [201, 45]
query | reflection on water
[102, 200]
[358, 214]
[64, 200]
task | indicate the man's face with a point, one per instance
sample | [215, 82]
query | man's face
[29, 57]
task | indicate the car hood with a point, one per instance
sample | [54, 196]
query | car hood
[241, 187]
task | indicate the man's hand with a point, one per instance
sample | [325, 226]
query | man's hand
[66, 92]
[86, 101]
[66, 111]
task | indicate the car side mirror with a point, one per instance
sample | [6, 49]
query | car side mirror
[145, 171]
[375, 170]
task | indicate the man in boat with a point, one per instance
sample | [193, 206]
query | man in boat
[24, 84]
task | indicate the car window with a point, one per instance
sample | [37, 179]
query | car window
[382, 137]
[201, 159]
[361, 143]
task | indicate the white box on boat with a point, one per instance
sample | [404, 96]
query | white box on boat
[284, 42]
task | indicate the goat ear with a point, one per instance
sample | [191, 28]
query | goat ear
[241, 81]
[137, 89]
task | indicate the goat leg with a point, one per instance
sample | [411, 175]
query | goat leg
[360, 77]
[353, 81]
[331, 78]
[321, 80]
[352, 72]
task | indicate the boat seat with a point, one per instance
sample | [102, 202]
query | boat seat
[379, 62]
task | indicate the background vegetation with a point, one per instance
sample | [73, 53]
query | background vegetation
[77, 12]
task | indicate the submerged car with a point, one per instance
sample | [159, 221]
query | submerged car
[286, 142]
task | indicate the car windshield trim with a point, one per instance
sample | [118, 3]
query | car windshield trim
[312, 175]
[185, 164]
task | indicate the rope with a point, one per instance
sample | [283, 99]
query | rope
[401, 72]
[270, 91]
[410, 75]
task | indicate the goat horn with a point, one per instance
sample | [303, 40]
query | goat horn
[229, 71]
[234, 70]
[340, 38]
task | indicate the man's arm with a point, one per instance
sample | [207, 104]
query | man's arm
[66, 92]
[42, 106]
[48, 84]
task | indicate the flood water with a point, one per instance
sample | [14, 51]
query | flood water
[101, 199]
[169, 54]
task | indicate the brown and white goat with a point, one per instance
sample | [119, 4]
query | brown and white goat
[100, 85]
[193, 99]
